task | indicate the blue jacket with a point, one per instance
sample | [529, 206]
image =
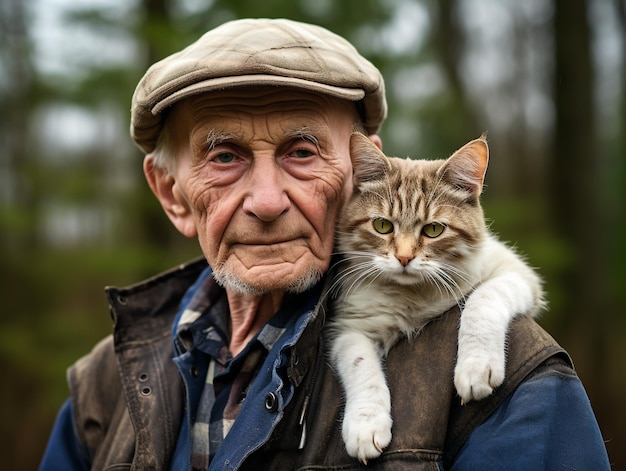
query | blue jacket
[540, 418]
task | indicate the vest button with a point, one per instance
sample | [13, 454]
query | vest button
[271, 402]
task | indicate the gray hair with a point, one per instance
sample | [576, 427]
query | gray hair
[164, 154]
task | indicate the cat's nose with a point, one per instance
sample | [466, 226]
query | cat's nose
[404, 259]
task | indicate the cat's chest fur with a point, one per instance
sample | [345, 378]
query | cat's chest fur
[411, 303]
[387, 312]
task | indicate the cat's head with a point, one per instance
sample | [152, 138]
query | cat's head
[410, 221]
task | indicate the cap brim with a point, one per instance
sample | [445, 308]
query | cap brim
[223, 83]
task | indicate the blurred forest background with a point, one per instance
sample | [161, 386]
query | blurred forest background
[545, 78]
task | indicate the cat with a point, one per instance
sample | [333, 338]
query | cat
[413, 232]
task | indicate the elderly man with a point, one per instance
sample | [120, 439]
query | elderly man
[221, 363]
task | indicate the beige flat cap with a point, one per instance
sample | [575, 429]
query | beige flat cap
[251, 52]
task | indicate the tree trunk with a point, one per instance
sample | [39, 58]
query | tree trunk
[578, 209]
[16, 163]
[448, 40]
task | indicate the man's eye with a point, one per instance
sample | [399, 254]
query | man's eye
[225, 157]
[301, 153]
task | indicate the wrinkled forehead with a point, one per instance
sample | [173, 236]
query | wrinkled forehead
[290, 104]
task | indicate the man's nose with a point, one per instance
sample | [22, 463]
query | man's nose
[267, 195]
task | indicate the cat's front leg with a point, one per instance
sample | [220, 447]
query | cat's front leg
[482, 333]
[367, 420]
[480, 366]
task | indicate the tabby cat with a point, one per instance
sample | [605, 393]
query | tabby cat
[415, 244]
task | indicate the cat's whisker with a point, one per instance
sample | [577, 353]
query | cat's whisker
[347, 277]
[455, 271]
[340, 280]
[357, 282]
[373, 274]
[435, 281]
[441, 279]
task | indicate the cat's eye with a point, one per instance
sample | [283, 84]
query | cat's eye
[433, 229]
[382, 226]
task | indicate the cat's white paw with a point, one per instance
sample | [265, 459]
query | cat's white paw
[476, 375]
[366, 432]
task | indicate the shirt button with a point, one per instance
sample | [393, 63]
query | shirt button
[271, 402]
[195, 371]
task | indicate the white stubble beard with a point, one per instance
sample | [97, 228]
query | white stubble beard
[227, 279]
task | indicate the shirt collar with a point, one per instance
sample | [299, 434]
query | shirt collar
[203, 319]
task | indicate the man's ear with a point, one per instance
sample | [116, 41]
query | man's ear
[378, 142]
[166, 189]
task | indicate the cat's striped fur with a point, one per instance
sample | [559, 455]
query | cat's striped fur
[415, 244]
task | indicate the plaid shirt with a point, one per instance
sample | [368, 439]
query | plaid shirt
[204, 326]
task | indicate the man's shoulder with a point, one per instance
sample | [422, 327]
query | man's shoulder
[177, 278]
[420, 372]
[531, 353]
[145, 311]
[97, 369]
[528, 343]
[95, 389]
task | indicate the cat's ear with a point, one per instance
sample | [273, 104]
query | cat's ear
[368, 161]
[467, 166]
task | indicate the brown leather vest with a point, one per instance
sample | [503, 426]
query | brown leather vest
[121, 421]
[430, 425]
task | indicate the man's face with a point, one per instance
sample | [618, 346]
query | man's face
[262, 178]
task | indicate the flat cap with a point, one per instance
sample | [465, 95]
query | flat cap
[251, 52]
